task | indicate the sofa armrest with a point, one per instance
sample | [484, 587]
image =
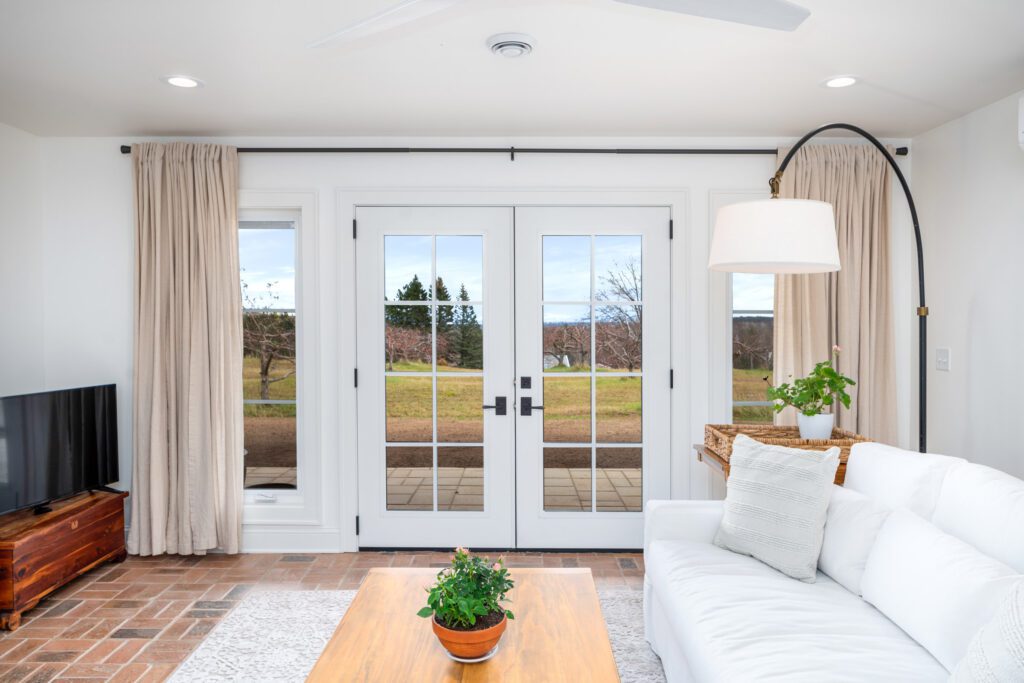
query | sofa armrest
[682, 520]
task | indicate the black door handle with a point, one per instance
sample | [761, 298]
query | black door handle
[526, 406]
[500, 406]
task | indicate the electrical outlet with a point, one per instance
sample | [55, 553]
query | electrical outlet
[942, 359]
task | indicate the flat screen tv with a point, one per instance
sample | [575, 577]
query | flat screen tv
[55, 444]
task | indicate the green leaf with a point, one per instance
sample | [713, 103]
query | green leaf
[425, 612]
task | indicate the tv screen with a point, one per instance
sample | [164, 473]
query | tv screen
[56, 444]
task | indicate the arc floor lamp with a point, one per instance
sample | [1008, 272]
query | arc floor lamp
[788, 236]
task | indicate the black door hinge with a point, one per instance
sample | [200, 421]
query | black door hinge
[357, 525]
[355, 377]
[671, 229]
[671, 379]
[353, 228]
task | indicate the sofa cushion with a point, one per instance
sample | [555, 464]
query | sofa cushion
[851, 526]
[996, 653]
[895, 478]
[775, 504]
[972, 497]
[937, 588]
[737, 619]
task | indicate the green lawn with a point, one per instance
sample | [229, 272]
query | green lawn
[749, 385]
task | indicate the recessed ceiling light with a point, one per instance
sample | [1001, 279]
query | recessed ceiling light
[511, 45]
[840, 82]
[182, 81]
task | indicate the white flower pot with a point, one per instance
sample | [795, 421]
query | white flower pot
[816, 426]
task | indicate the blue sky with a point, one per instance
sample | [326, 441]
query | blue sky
[752, 292]
[267, 257]
[459, 262]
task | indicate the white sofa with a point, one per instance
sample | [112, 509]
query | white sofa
[713, 615]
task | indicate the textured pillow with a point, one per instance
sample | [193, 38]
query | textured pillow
[996, 653]
[934, 586]
[775, 504]
[851, 527]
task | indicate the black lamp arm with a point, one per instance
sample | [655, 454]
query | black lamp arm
[922, 309]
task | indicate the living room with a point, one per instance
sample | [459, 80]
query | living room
[692, 320]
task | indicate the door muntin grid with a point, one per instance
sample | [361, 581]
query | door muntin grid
[434, 372]
[592, 312]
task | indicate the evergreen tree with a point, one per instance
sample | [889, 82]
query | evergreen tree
[445, 314]
[469, 334]
[415, 317]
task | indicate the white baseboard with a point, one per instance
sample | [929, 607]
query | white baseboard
[271, 539]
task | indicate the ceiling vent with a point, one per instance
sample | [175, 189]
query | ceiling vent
[511, 45]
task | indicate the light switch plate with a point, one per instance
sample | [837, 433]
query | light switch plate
[942, 359]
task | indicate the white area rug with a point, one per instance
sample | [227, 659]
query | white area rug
[254, 644]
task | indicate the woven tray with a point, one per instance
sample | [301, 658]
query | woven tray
[719, 438]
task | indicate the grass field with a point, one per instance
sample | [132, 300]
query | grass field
[749, 385]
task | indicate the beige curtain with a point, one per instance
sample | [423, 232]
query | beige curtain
[853, 307]
[187, 441]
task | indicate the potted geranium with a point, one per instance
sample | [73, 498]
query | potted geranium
[811, 395]
[465, 604]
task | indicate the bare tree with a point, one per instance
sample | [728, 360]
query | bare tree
[568, 342]
[619, 328]
[268, 335]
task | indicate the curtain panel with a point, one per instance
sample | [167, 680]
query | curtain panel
[851, 308]
[187, 381]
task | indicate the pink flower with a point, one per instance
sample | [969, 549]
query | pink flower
[836, 348]
[496, 566]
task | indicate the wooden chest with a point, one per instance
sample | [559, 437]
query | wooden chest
[41, 553]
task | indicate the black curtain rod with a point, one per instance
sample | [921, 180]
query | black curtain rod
[511, 151]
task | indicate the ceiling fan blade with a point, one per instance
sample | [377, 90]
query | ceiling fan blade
[396, 15]
[775, 14]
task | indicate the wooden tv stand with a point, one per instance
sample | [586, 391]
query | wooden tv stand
[41, 553]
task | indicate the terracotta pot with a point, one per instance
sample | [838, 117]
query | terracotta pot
[470, 644]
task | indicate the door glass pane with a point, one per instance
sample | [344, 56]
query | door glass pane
[566, 338]
[407, 340]
[410, 409]
[407, 270]
[460, 414]
[460, 478]
[566, 268]
[460, 338]
[567, 409]
[593, 343]
[617, 267]
[567, 479]
[460, 269]
[753, 301]
[618, 337]
[410, 478]
[266, 252]
[619, 479]
[619, 410]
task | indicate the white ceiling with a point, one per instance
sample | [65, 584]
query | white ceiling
[71, 67]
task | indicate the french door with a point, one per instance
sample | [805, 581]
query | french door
[511, 409]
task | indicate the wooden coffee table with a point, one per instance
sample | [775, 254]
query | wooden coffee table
[558, 633]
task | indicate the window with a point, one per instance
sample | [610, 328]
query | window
[753, 319]
[266, 251]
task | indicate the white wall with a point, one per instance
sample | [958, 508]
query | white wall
[89, 251]
[969, 186]
[22, 271]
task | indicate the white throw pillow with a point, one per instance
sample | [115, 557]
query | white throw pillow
[996, 653]
[934, 586]
[851, 527]
[775, 505]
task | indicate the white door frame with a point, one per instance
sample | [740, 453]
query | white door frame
[685, 303]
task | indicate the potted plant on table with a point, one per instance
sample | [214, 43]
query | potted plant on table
[811, 395]
[465, 604]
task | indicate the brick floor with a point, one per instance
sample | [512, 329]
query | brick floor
[138, 620]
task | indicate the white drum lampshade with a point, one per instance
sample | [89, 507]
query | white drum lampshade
[775, 236]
